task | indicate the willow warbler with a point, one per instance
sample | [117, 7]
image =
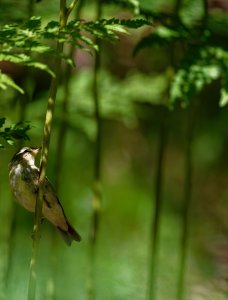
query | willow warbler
[24, 179]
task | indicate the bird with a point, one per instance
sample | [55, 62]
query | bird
[24, 183]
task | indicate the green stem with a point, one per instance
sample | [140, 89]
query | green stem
[205, 6]
[97, 164]
[43, 161]
[187, 200]
[64, 112]
[177, 8]
[158, 204]
[60, 156]
[31, 7]
[63, 127]
[205, 15]
[12, 230]
[23, 103]
[97, 194]
[43, 164]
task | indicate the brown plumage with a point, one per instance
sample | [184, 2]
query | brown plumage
[24, 176]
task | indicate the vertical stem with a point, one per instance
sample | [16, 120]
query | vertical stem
[158, 204]
[97, 196]
[64, 111]
[43, 161]
[187, 188]
[31, 7]
[63, 127]
[97, 164]
[187, 200]
[12, 230]
[205, 7]
[23, 102]
[58, 167]
[177, 7]
[60, 155]
[43, 164]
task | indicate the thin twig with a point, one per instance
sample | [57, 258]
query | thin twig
[187, 200]
[158, 203]
[23, 101]
[43, 160]
[61, 140]
[97, 195]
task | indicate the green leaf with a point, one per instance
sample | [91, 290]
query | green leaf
[34, 24]
[224, 97]
[20, 58]
[204, 66]
[10, 142]
[14, 132]
[40, 66]
[6, 81]
[117, 28]
[20, 43]
[162, 36]
[132, 4]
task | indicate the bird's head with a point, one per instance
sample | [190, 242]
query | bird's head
[26, 155]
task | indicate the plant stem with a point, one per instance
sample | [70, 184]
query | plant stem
[63, 127]
[64, 112]
[205, 7]
[188, 187]
[12, 230]
[61, 140]
[97, 195]
[31, 7]
[187, 200]
[43, 164]
[177, 8]
[44, 155]
[23, 103]
[97, 165]
[158, 203]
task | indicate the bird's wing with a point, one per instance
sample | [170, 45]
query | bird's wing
[52, 209]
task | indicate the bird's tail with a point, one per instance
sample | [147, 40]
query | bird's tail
[69, 235]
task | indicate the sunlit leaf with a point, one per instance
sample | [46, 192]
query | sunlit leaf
[14, 132]
[6, 81]
[224, 97]
[209, 64]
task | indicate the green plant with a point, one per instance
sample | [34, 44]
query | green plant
[26, 45]
[14, 132]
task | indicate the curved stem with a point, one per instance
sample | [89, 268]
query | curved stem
[156, 220]
[205, 7]
[187, 200]
[23, 101]
[43, 164]
[43, 160]
[97, 194]
[61, 140]
[31, 8]
[97, 163]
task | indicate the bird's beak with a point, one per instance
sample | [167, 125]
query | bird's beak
[36, 151]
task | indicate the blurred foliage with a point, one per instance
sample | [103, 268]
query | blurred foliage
[178, 58]
[6, 81]
[20, 44]
[205, 66]
[118, 100]
[131, 4]
[205, 58]
[14, 132]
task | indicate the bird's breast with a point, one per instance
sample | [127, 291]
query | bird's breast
[23, 186]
